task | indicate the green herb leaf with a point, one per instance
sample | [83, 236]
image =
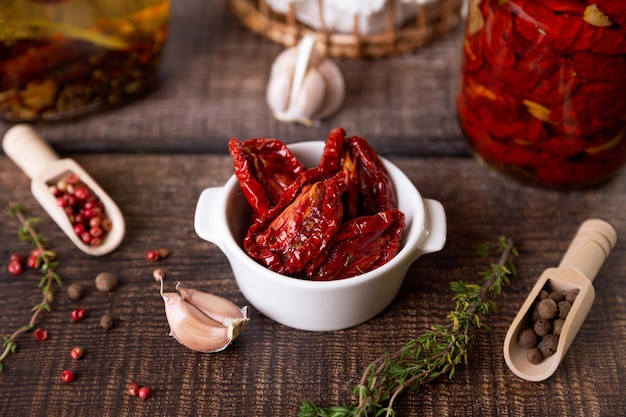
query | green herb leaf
[431, 354]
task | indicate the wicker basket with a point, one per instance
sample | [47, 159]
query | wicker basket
[431, 21]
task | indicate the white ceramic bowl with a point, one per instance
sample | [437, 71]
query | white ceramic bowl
[223, 216]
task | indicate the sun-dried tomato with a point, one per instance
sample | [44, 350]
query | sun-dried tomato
[542, 94]
[299, 232]
[369, 188]
[265, 168]
[347, 201]
[361, 244]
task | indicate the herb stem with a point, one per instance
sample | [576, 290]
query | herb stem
[430, 355]
[48, 264]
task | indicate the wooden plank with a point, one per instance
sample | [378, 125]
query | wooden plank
[272, 368]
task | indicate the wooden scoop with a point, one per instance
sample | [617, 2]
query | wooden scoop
[591, 246]
[44, 167]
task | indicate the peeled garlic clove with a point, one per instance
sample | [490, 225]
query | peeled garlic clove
[196, 330]
[219, 309]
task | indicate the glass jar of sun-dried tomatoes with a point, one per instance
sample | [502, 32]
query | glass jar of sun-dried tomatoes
[62, 59]
[543, 96]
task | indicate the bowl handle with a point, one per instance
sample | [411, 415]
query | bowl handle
[435, 227]
[209, 223]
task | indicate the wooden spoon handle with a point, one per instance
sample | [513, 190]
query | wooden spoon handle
[28, 150]
[590, 247]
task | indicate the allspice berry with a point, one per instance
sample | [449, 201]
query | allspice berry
[543, 327]
[547, 309]
[571, 295]
[556, 296]
[75, 291]
[548, 345]
[564, 308]
[106, 321]
[557, 326]
[106, 282]
[528, 339]
[534, 356]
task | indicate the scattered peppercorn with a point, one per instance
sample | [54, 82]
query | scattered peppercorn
[106, 321]
[77, 352]
[75, 291]
[144, 393]
[15, 268]
[152, 256]
[133, 389]
[67, 376]
[17, 257]
[78, 314]
[106, 282]
[40, 334]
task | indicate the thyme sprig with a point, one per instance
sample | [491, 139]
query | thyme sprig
[46, 261]
[436, 352]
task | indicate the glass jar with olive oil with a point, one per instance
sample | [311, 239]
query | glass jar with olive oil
[61, 59]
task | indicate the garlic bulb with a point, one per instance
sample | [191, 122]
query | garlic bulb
[203, 322]
[304, 86]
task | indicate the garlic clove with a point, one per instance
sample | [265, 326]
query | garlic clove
[218, 308]
[335, 89]
[277, 95]
[310, 97]
[304, 85]
[198, 331]
[281, 77]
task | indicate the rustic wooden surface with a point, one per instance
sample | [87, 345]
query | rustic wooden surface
[154, 157]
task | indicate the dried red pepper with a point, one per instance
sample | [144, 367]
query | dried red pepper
[543, 86]
[360, 245]
[265, 168]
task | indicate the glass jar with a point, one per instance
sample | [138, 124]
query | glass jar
[62, 59]
[543, 90]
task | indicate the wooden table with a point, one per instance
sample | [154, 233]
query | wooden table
[155, 156]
